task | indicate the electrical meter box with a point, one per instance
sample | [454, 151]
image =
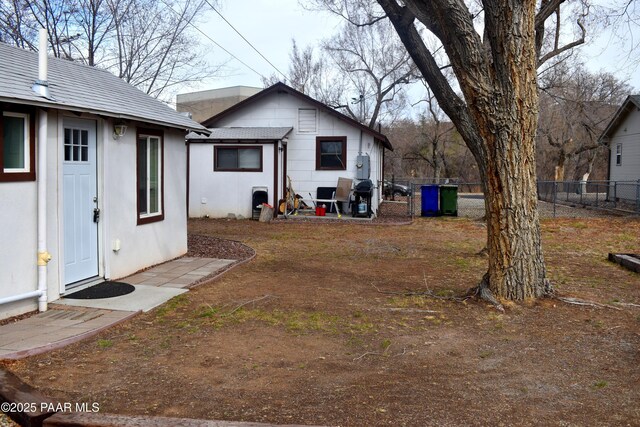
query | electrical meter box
[362, 166]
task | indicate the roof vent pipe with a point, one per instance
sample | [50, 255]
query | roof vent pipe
[41, 86]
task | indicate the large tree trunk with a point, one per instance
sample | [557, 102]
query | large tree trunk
[516, 263]
[508, 118]
[497, 120]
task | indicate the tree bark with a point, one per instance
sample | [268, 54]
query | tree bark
[497, 120]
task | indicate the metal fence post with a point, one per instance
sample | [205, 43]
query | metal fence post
[615, 194]
[555, 195]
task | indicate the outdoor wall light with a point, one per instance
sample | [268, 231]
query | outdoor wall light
[119, 129]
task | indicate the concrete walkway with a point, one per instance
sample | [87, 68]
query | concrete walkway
[71, 320]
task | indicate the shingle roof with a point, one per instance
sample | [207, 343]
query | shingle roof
[626, 107]
[77, 87]
[243, 133]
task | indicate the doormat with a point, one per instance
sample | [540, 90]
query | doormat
[103, 290]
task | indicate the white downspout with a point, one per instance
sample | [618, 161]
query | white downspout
[43, 255]
[41, 87]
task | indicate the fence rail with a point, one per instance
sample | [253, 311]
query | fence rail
[557, 199]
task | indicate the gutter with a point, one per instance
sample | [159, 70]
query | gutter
[43, 255]
[41, 88]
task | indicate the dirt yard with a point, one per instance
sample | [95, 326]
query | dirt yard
[309, 333]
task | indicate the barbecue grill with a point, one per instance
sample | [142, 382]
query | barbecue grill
[362, 199]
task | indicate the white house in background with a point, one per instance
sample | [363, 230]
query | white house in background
[75, 187]
[622, 135]
[273, 134]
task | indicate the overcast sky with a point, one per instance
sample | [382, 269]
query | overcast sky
[270, 25]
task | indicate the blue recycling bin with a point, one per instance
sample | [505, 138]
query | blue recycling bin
[430, 195]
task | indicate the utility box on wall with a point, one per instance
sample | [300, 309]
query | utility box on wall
[363, 170]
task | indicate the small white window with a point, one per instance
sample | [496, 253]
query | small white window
[150, 176]
[618, 154]
[15, 128]
[307, 120]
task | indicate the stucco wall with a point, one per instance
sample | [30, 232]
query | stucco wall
[280, 110]
[218, 194]
[18, 245]
[627, 134]
[141, 245]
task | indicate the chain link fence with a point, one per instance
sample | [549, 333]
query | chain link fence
[574, 199]
[619, 196]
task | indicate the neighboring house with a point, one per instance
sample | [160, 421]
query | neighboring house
[273, 134]
[101, 199]
[622, 135]
[207, 103]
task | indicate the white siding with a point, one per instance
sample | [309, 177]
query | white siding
[628, 135]
[218, 194]
[280, 110]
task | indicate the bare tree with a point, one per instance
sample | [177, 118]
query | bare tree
[361, 71]
[494, 48]
[375, 66]
[17, 25]
[575, 106]
[150, 44]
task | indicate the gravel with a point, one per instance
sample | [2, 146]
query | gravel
[212, 247]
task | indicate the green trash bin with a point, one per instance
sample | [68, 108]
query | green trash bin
[449, 200]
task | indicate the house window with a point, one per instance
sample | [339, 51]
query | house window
[618, 154]
[150, 176]
[237, 159]
[331, 153]
[307, 120]
[17, 154]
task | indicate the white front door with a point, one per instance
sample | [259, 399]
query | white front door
[79, 192]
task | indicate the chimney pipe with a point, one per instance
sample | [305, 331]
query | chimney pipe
[41, 86]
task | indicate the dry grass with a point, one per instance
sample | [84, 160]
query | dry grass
[302, 335]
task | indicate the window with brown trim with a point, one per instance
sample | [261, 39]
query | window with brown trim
[331, 153]
[17, 146]
[150, 175]
[237, 158]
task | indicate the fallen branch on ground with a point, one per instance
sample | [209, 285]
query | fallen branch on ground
[577, 301]
[384, 353]
[411, 310]
[248, 302]
[428, 293]
[628, 304]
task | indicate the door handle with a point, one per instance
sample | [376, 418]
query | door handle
[96, 215]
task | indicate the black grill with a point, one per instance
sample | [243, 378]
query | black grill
[362, 202]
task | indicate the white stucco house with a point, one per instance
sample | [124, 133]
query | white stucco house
[92, 179]
[622, 135]
[276, 133]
